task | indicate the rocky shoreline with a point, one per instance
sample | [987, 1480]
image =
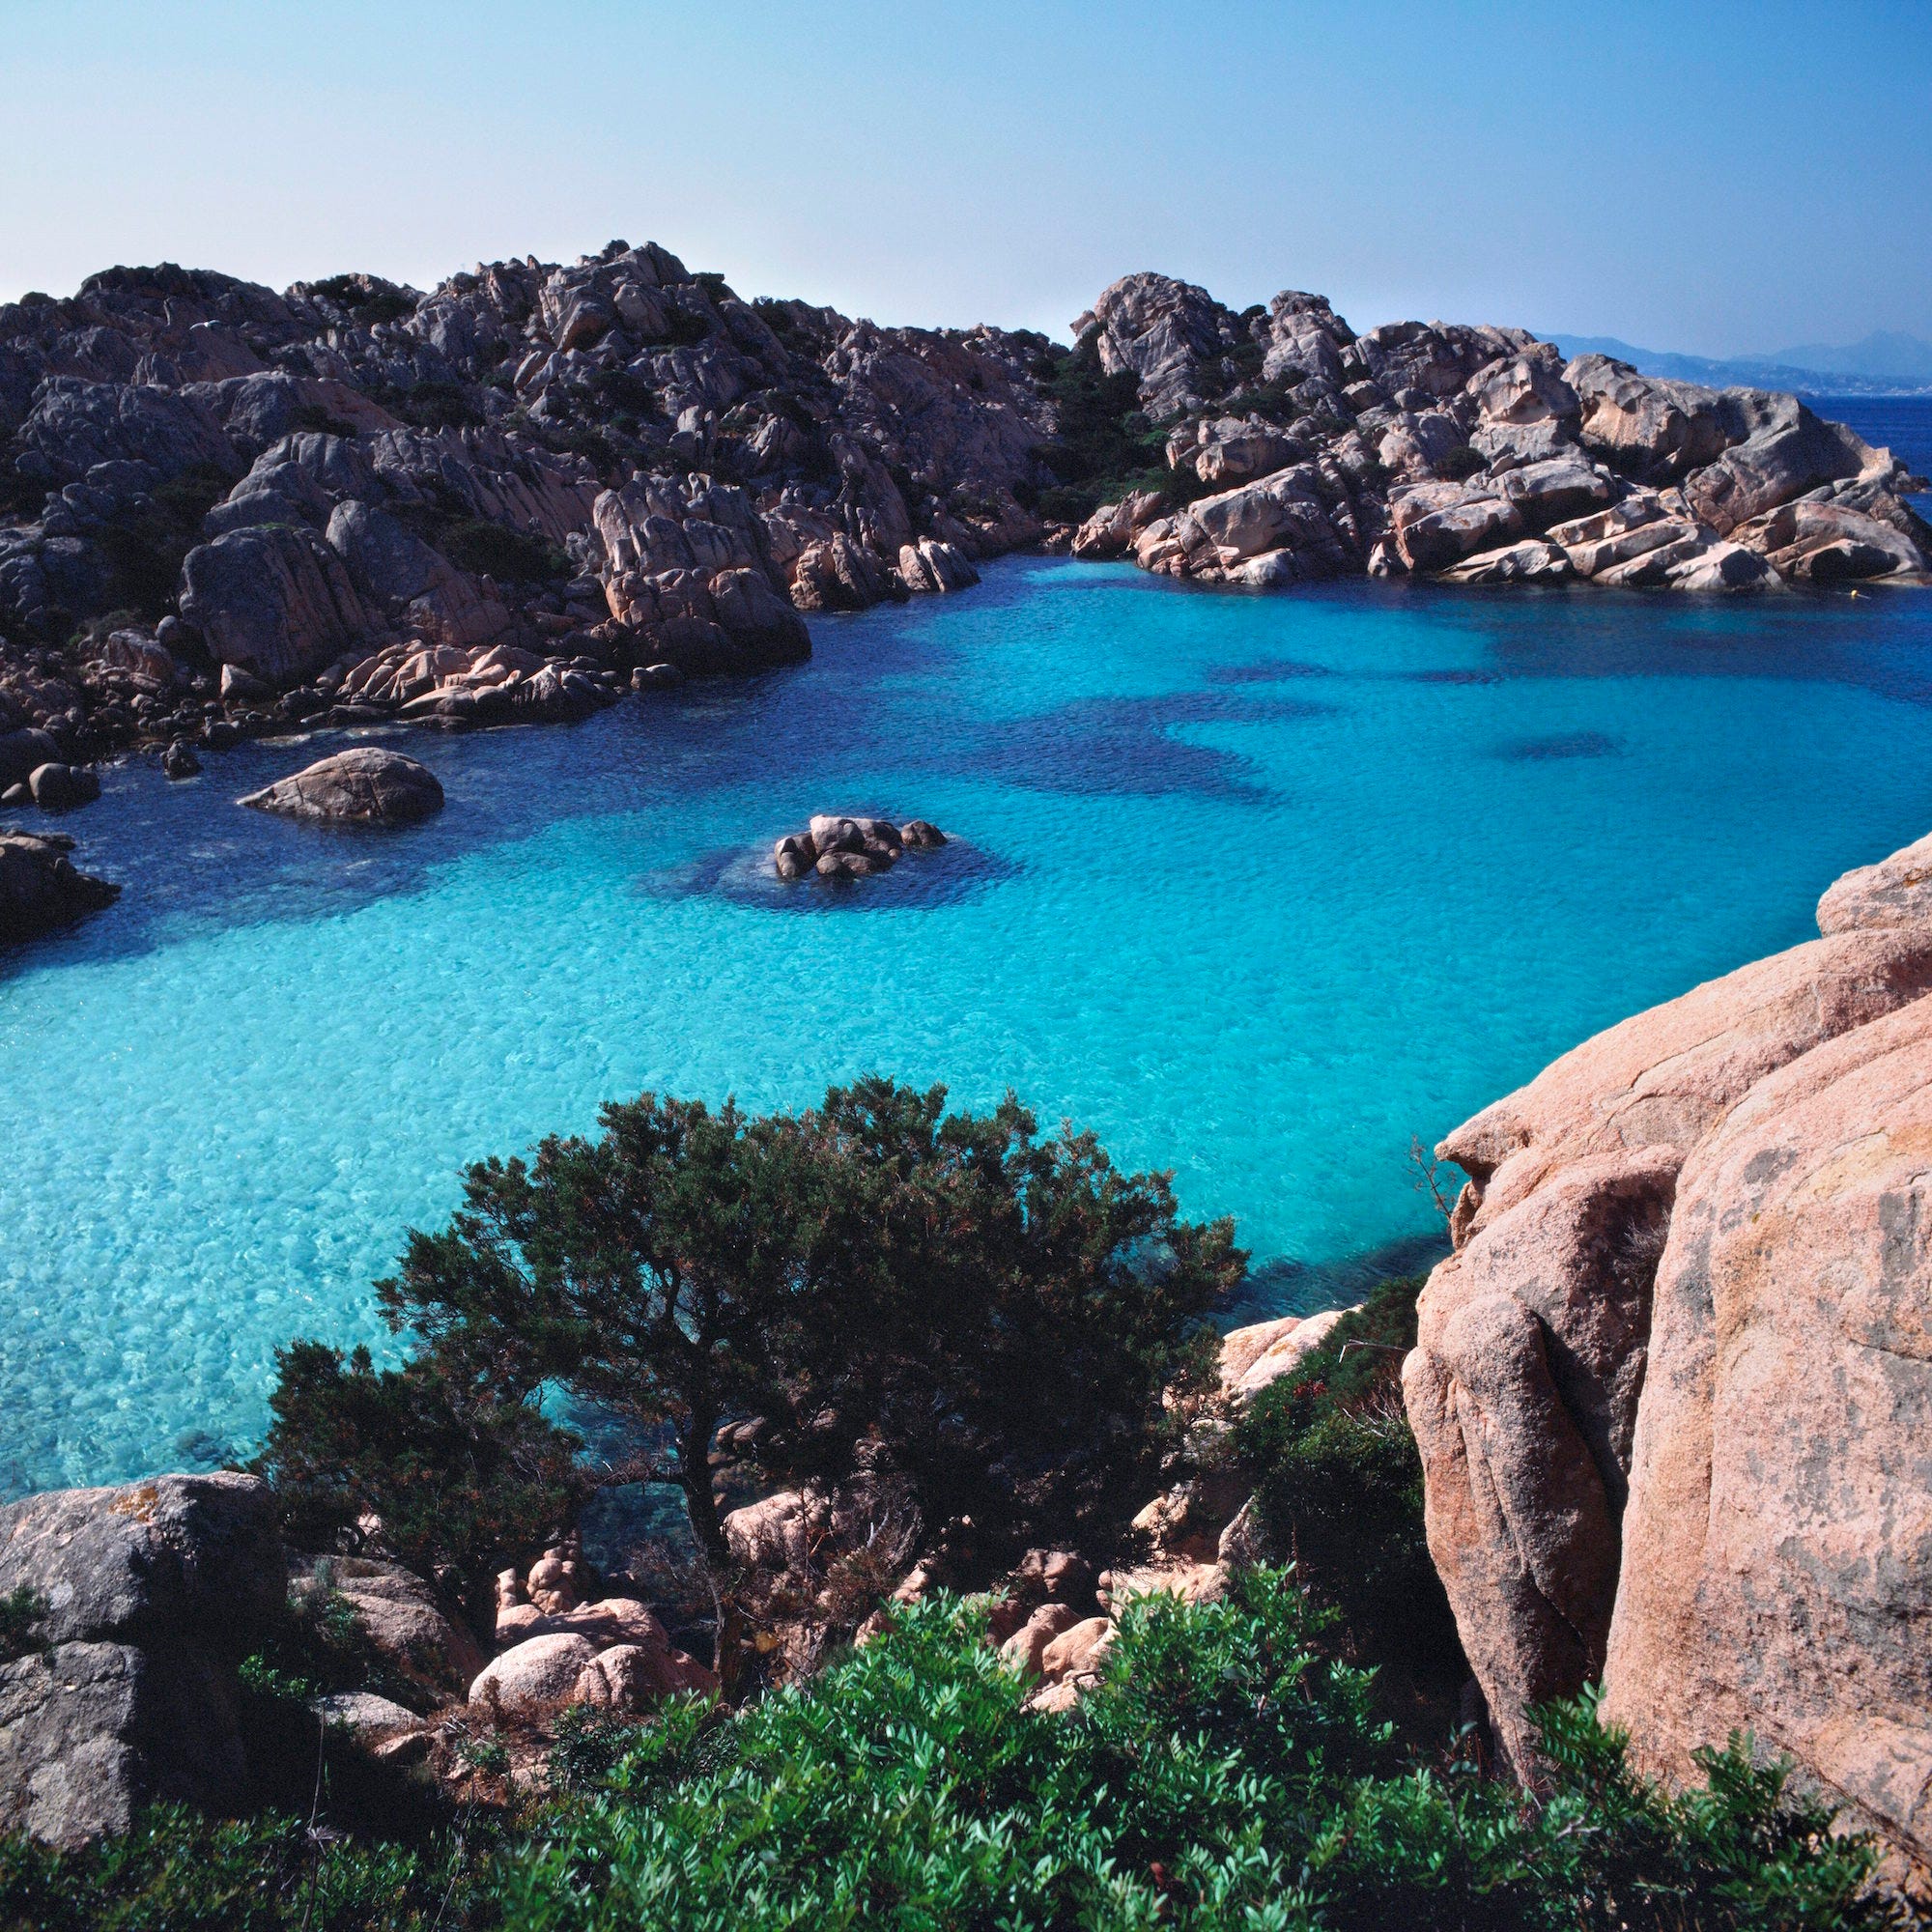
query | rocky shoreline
[227, 513]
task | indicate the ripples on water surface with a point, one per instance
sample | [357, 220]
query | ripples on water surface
[1258, 887]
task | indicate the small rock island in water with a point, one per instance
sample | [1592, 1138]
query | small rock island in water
[850, 847]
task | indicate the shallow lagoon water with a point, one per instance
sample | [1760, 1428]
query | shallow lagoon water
[1258, 887]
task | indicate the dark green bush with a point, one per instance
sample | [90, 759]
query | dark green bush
[179, 1872]
[429, 405]
[995, 1311]
[144, 548]
[369, 302]
[1338, 1485]
[459, 1476]
[22, 1611]
[1103, 439]
[1460, 462]
[495, 550]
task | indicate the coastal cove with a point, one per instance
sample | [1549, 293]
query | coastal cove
[1256, 887]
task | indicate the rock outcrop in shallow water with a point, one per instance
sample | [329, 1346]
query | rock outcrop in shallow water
[363, 786]
[1300, 451]
[40, 890]
[843, 846]
[1673, 1389]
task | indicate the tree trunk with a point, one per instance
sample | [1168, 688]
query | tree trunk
[707, 1529]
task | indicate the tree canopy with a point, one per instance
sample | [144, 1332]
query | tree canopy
[993, 1311]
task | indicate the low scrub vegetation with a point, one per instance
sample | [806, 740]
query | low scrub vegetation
[1227, 1773]
[1338, 1486]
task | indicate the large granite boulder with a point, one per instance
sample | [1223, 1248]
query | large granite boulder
[534, 1675]
[147, 1596]
[1164, 331]
[1670, 1390]
[1778, 1544]
[1644, 426]
[277, 601]
[40, 890]
[1436, 525]
[399, 1617]
[363, 786]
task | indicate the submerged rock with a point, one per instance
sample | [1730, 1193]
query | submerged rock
[363, 786]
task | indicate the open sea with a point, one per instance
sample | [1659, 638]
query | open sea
[1260, 886]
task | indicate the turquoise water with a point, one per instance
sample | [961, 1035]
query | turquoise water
[1258, 887]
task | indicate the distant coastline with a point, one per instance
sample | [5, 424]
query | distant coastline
[1880, 365]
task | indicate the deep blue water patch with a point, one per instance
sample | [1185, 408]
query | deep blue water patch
[1561, 745]
[1240, 883]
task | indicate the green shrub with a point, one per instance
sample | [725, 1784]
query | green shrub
[179, 1872]
[428, 405]
[495, 550]
[994, 1311]
[1226, 1774]
[1338, 1484]
[144, 548]
[459, 1477]
[22, 1610]
[1102, 439]
[369, 302]
[1460, 462]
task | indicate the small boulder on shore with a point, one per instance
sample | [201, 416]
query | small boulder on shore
[58, 787]
[363, 786]
[846, 846]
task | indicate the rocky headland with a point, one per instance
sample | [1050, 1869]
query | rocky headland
[1671, 1389]
[226, 510]
[1293, 450]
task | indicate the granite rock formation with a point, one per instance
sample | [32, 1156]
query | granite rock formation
[605, 465]
[40, 890]
[844, 846]
[1297, 451]
[365, 785]
[1672, 1388]
[148, 1595]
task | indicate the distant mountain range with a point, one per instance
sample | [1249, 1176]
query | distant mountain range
[1885, 363]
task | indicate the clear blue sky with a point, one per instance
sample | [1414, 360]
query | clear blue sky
[1709, 178]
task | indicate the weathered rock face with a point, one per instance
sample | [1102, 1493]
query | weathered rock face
[149, 1595]
[1163, 331]
[1777, 1567]
[382, 467]
[39, 889]
[399, 1617]
[363, 786]
[1670, 1389]
[278, 602]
